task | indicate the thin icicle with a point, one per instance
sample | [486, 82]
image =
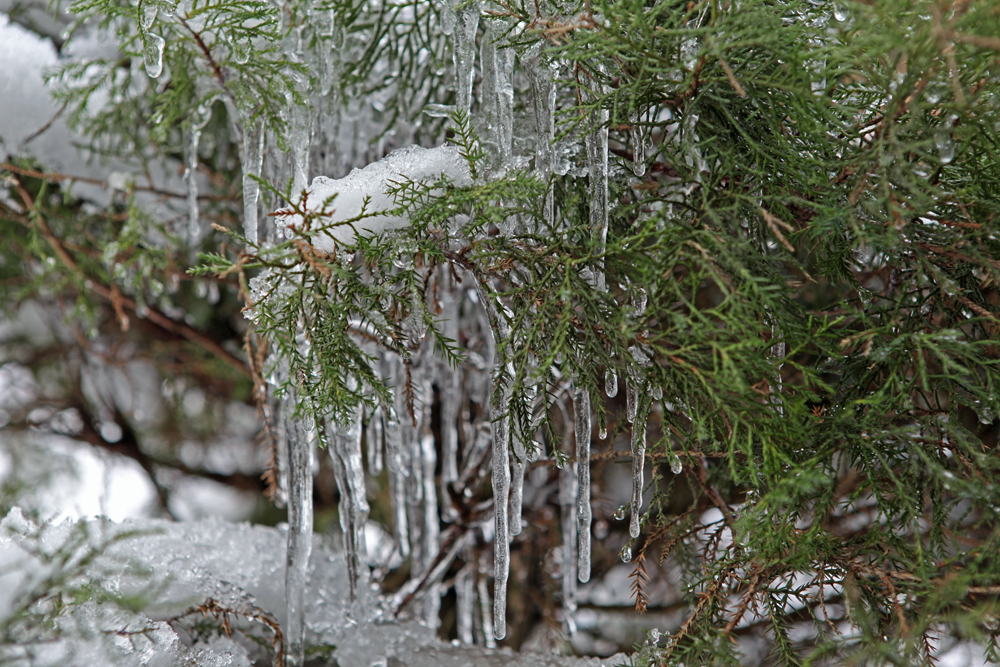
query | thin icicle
[450, 392]
[466, 24]
[517, 485]
[596, 143]
[638, 148]
[501, 490]
[300, 519]
[394, 453]
[299, 139]
[631, 399]
[638, 463]
[191, 180]
[568, 511]
[345, 452]
[374, 441]
[465, 599]
[253, 160]
[431, 528]
[581, 412]
[489, 637]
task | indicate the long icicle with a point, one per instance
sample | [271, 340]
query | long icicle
[584, 517]
[394, 453]
[345, 453]
[638, 464]
[568, 512]
[543, 96]
[596, 143]
[300, 519]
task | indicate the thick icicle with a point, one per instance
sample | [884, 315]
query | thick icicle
[543, 100]
[467, 22]
[253, 160]
[568, 512]
[498, 91]
[638, 463]
[596, 143]
[345, 452]
[581, 410]
[300, 519]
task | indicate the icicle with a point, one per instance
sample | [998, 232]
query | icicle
[345, 452]
[517, 485]
[451, 393]
[299, 139]
[394, 454]
[465, 598]
[631, 399]
[581, 413]
[431, 527]
[489, 637]
[253, 159]
[374, 442]
[300, 519]
[465, 54]
[543, 96]
[610, 383]
[501, 489]
[777, 351]
[638, 148]
[191, 178]
[152, 55]
[568, 511]
[638, 463]
[596, 143]
[498, 91]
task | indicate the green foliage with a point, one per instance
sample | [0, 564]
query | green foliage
[803, 283]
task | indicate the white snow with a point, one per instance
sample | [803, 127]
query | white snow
[174, 566]
[365, 191]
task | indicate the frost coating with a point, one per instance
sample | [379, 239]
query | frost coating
[364, 192]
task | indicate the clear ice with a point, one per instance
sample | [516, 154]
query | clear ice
[581, 410]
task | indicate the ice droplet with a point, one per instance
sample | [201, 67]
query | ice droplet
[945, 147]
[153, 55]
[840, 12]
[626, 554]
[620, 513]
[610, 384]
[241, 50]
[603, 433]
[676, 466]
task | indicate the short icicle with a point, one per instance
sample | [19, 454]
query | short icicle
[345, 453]
[300, 520]
[466, 25]
[584, 516]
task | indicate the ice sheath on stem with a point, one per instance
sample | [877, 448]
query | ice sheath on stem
[300, 520]
[596, 143]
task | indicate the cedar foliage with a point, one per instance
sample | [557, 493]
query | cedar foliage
[814, 241]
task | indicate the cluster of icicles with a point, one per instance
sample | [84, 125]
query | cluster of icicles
[410, 450]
